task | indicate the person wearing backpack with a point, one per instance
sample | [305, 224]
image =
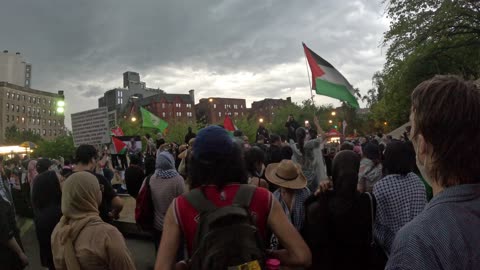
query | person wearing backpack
[223, 220]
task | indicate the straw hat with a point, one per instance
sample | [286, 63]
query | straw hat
[286, 174]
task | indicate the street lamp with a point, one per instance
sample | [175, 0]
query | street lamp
[330, 121]
[260, 120]
[334, 113]
[210, 100]
[385, 123]
[134, 119]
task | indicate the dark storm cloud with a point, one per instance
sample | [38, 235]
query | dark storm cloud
[84, 46]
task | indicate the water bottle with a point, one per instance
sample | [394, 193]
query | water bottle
[272, 264]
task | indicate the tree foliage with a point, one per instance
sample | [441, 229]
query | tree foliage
[61, 146]
[425, 38]
[13, 136]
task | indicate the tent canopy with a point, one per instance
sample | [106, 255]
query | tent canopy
[397, 133]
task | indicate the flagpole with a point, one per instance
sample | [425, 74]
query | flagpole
[309, 82]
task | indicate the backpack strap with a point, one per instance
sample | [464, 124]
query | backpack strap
[197, 199]
[244, 195]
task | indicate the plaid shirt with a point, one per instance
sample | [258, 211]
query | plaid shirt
[444, 236]
[400, 198]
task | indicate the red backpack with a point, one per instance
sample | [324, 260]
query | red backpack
[144, 206]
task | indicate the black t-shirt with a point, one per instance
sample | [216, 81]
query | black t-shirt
[107, 196]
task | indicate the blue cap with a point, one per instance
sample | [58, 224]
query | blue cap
[211, 142]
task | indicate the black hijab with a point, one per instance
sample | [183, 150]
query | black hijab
[345, 169]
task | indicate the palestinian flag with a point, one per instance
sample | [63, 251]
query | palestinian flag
[120, 147]
[328, 81]
[228, 124]
[117, 131]
[152, 121]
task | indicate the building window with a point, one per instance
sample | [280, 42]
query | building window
[242, 113]
[13, 107]
[8, 106]
[28, 110]
[55, 132]
[54, 122]
[8, 94]
[18, 108]
[23, 109]
[33, 121]
[163, 114]
[236, 113]
[44, 111]
[189, 105]
[225, 106]
[241, 106]
[49, 102]
[44, 122]
[49, 123]
[178, 105]
[179, 114]
[34, 100]
[214, 106]
[49, 132]
[235, 106]
[18, 119]
[23, 120]
[219, 114]
[24, 98]
[38, 121]
[163, 105]
[44, 132]
[50, 112]
[18, 97]
[189, 114]
[8, 118]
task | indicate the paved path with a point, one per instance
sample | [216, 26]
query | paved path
[142, 251]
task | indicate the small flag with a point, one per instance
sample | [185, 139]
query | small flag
[328, 81]
[120, 146]
[117, 131]
[228, 124]
[152, 121]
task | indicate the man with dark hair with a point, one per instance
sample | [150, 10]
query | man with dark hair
[291, 126]
[134, 176]
[274, 152]
[111, 205]
[190, 135]
[445, 118]
[262, 132]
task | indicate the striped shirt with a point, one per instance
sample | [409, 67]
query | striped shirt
[446, 235]
[400, 198]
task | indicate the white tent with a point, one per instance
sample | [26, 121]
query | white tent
[397, 133]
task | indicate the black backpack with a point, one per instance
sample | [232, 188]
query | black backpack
[226, 236]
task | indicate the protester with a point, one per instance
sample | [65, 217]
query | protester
[400, 194]
[346, 146]
[445, 134]
[165, 185]
[81, 240]
[111, 204]
[262, 131]
[255, 164]
[134, 176]
[217, 172]
[190, 135]
[47, 212]
[274, 152]
[309, 155]
[311, 132]
[150, 143]
[31, 171]
[292, 192]
[132, 148]
[370, 168]
[149, 165]
[291, 126]
[338, 224]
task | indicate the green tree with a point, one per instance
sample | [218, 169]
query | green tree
[14, 136]
[425, 38]
[61, 146]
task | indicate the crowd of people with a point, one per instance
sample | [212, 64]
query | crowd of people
[216, 201]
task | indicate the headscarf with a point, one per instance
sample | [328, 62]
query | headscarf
[32, 171]
[345, 178]
[80, 199]
[165, 166]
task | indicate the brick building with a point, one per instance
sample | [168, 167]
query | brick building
[171, 107]
[265, 108]
[30, 109]
[213, 110]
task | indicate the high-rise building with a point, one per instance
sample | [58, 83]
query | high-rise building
[121, 102]
[30, 109]
[214, 109]
[14, 69]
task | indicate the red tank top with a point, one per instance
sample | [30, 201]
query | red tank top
[188, 217]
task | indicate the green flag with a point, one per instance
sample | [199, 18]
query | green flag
[152, 121]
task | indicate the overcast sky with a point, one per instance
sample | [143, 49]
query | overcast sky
[235, 48]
